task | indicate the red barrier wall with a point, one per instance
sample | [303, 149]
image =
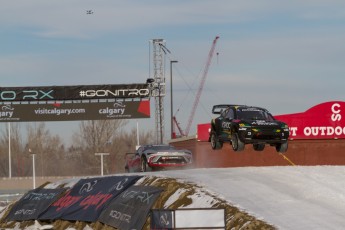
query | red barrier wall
[300, 152]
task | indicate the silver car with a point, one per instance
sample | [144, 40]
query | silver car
[155, 157]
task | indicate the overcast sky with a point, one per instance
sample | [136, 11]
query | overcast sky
[285, 56]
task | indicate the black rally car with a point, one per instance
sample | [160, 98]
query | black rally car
[241, 125]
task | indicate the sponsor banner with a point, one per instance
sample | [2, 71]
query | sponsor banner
[162, 219]
[129, 210]
[203, 218]
[323, 121]
[78, 92]
[33, 203]
[86, 200]
[200, 218]
[74, 111]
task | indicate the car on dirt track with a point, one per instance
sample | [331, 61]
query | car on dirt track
[157, 157]
[240, 125]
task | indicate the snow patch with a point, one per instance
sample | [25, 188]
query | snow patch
[174, 197]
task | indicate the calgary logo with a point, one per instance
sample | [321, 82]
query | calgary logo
[119, 105]
[119, 109]
[6, 111]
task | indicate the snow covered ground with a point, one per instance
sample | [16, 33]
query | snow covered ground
[296, 197]
[288, 197]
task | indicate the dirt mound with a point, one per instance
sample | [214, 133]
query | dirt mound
[177, 194]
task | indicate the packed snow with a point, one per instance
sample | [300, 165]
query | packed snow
[296, 197]
[288, 197]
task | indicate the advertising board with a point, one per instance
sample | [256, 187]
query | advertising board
[74, 111]
[188, 218]
[77, 92]
[33, 203]
[130, 208]
[323, 121]
[86, 199]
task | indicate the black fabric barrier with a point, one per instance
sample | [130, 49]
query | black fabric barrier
[86, 200]
[33, 203]
[129, 210]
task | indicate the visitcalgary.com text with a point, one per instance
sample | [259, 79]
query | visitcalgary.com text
[57, 112]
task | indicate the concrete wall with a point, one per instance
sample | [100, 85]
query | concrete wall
[25, 183]
[300, 152]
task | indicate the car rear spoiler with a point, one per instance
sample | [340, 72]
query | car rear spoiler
[217, 109]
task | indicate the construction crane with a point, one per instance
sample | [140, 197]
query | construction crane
[201, 86]
[178, 127]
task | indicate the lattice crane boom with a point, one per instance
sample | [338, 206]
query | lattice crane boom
[178, 127]
[201, 85]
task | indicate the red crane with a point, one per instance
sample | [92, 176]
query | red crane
[178, 127]
[201, 86]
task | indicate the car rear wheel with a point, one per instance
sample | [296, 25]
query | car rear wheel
[144, 164]
[282, 147]
[215, 143]
[237, 144]
[258, 147]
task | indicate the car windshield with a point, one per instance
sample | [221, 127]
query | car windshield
[254, 114]
[160, 147]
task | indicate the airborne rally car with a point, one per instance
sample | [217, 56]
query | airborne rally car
[155, 157]
[241, 125]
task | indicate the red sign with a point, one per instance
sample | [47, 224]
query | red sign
[203, 131]
[323, 121]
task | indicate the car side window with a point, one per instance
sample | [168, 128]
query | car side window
[230, 114]
[222, 113]
[140, 150]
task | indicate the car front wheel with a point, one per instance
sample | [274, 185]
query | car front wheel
[237, 144]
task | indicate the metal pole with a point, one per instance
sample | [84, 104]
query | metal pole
[101, 154]
[171, 100]
[101, 164]
[137, 134]
[160, 115]
[33, 171]
[9, 151]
